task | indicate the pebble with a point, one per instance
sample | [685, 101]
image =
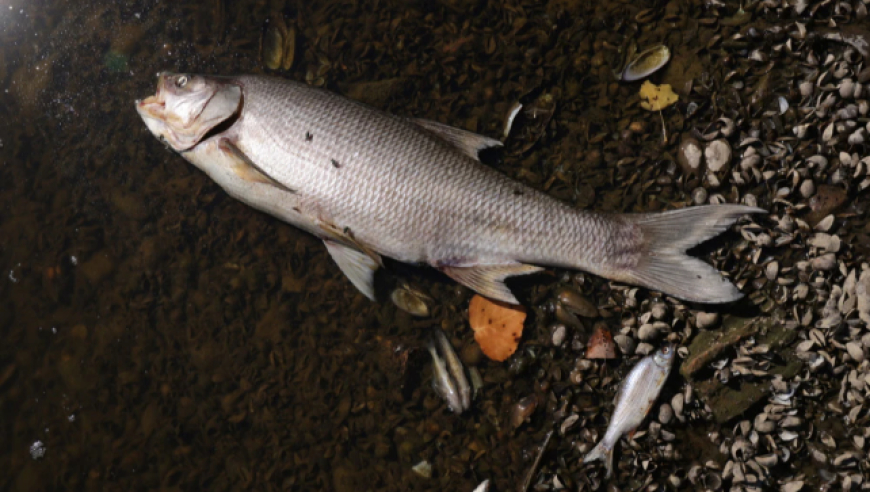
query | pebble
[625, 343]
[647, 332]
[847, 88]
[824, 263]
[699, 195]
[659, 310]
[808, 188]
[706, 320]
[666, 413]
[558, 335]
[856, 352]
[644, 348]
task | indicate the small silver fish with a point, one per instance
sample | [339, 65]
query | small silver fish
[634, 400]
[449, 379]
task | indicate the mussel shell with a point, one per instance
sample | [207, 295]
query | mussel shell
[646, 63]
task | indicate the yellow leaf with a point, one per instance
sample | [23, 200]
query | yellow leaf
[656, 97]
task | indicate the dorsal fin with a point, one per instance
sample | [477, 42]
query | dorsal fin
[469, 143]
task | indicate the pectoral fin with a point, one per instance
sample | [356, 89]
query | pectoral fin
[488, 280]
[245, 168]
[359, 267]
[468, 142]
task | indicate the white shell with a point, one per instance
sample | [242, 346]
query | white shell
[646, 63]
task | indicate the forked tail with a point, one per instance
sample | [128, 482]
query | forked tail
[663, 264]
[604, 452]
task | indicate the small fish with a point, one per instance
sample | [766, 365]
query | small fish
[449, 379]
[634, 400]
[374, 185]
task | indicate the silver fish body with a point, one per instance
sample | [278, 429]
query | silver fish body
[448, 378]
[370, 184]
[635, 398]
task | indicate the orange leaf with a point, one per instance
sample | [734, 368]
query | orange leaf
[497, 326]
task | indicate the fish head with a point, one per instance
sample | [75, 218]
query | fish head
[665, 355]
[186, 107]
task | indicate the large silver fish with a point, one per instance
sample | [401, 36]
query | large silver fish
[372, 184]
[634, 400]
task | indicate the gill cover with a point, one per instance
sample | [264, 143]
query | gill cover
[187, 107]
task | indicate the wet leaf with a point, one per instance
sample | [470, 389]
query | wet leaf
[497, 326]
[656, 97]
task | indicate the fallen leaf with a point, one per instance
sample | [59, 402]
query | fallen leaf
[497, 326]
[656, 97]
[600, 344]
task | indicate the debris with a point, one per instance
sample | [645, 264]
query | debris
[497, 326]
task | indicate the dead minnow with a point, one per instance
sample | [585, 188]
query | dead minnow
[371, 184]
[634, 400]
[449, 379]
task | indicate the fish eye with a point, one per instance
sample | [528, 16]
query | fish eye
[181, 81]
[666, 350]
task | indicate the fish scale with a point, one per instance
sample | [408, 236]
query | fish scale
[439, 192]
[372, 184]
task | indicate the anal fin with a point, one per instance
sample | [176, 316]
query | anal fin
[488, 280]
[359, 267]
[245, 168]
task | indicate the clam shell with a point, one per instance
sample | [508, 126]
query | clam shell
[646, 63]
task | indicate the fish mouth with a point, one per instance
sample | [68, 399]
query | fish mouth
[154, 106]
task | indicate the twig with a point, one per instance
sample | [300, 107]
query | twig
[664, 130]
[531, 473]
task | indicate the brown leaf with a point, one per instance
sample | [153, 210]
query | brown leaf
[497, 326]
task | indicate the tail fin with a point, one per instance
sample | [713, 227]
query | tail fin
[664, 265]
[604, 453]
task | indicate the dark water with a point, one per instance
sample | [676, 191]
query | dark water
[157, 334]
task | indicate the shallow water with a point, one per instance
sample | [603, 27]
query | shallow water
[159, 334]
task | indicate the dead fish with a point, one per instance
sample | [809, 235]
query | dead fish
[449, 380]
[634, 400]
[371, 184]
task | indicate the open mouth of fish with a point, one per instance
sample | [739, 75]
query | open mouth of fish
[155, 105]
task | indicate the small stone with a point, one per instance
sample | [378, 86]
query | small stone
[558, 336]
[699, 196]
[808, 188]
[644, 348]
[625, 343]
[666, 413]
[659, 310]
[847, 88]
[706, 320]
[856, 352]
[423, 468]
[647, 332]
[824, 263]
